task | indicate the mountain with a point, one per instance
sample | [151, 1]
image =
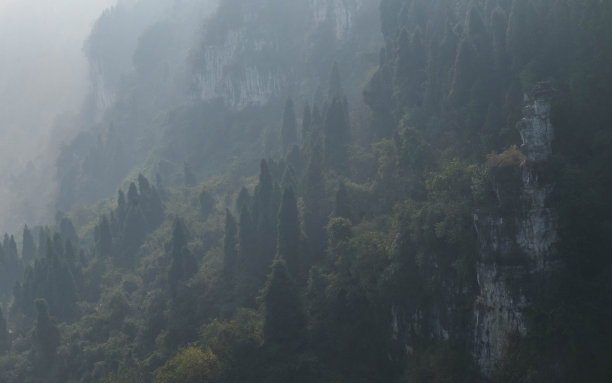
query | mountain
[340, 190]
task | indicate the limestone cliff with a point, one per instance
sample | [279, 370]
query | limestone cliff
[516, 256]
[263, 52]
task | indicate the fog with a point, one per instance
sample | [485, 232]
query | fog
[43, 81]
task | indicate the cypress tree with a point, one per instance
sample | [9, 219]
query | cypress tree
[134, 231]
[285, 321]
[244, 199]
[314, 202]
[264, 218]
[150, 202]
[28, 247]
[121, 210]
[132, 196]
[247, 284]
[182, 264]
[4, 335]
[67, 231]
[247, 238]
[46, 336]
[143, 185]
[288, 247]
[230, 246]
[104, 240]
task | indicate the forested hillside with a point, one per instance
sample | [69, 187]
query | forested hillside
[327, 191]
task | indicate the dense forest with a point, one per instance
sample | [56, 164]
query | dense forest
[327, 191]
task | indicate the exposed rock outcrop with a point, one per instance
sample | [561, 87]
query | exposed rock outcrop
[516, 258]
[253, 61]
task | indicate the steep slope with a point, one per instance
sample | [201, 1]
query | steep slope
[458, 233]
[184, 88]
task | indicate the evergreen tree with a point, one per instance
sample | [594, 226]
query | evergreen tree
[134, 231]
[54, 282]
[46, 336]
[11, 266]
[230, 245]
[244, 199]
[288, 179]
[182, 264]
[4, 335]
[289, 233]
[133, 197]
[247, 239]
[264, 219]
[314, 203]
[143, 185]
[247, 283]
[28, 247]
[103, 238]
[289, 128]
[67, 231]
[285, 321]
[151, 204]
[121, 208]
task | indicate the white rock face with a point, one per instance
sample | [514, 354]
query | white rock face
[225, 74]
[339, 12]
[104, 97]
[249, 85]
[516, 252]
[497, 315]
[536, 132]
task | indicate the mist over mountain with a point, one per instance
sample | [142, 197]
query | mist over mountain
[401, 191]
[44, 78]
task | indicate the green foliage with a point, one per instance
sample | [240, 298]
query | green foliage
[230, 245]
[46, 336]
[191, 365]
[4, 335]
[182, 263]
[389, 244]
[285, 322]
[442, 362]
[509, 157]
[28, 248]
[289, 234]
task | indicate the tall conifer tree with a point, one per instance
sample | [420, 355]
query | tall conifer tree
[289, 233]
[28, 247]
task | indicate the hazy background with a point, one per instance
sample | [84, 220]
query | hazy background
[43, 80]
